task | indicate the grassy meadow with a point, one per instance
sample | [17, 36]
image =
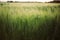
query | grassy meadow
[29, 21]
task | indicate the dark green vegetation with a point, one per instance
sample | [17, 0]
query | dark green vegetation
[19, 22]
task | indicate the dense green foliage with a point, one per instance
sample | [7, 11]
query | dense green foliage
[29, 23]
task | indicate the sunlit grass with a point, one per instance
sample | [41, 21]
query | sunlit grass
[28, 21]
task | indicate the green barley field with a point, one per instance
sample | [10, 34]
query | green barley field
[29, 21]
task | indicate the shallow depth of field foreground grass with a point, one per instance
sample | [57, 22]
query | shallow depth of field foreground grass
[29, 21]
